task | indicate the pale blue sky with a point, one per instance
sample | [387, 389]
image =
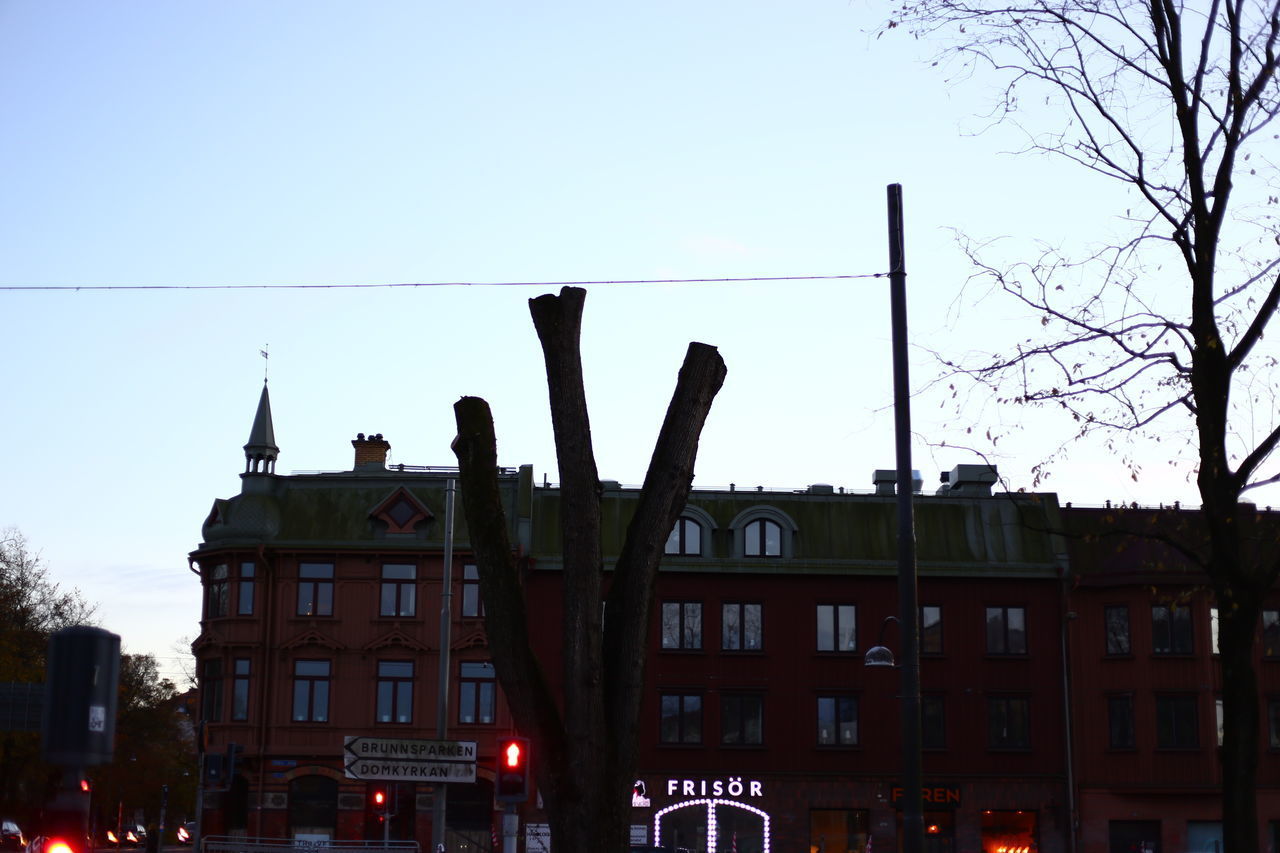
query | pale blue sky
[146, 142]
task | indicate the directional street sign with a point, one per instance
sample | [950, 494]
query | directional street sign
[386, 759]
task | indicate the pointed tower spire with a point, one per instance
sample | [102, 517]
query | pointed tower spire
[261, 451]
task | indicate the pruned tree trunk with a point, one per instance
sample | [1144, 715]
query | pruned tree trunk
[584, 737]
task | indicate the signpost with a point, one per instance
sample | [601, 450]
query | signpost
[384, 759]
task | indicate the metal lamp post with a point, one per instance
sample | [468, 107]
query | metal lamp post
[912, 810]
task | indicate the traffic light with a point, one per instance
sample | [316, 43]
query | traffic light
[62, 845]
[378, 801]
[511, 782]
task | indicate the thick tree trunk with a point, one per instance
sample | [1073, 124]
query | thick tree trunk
[584, 741]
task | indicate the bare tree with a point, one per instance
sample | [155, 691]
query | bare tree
[584, 737]
[1161, 333]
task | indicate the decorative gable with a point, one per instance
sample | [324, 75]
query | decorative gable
[401, 512]
[395, 637]
[311, 637]
[473, 639]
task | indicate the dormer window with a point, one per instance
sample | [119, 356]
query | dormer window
[763, 532]
[685, 538]
[401, 512]
[762, 538]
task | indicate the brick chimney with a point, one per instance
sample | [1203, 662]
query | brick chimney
[371, 452]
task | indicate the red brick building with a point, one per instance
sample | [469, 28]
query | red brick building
[764, 729]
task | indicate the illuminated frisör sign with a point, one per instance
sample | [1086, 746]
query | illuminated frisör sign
[715, 801]
[734, 786]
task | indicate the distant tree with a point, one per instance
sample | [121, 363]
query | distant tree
[585, 737]
[154, 746]
[1161, 334]
[32, 607]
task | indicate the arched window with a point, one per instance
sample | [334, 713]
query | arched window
[685, 538]
[762, 538]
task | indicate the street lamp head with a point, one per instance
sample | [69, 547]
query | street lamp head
[878, 656]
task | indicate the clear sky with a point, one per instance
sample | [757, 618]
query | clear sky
[240, 142]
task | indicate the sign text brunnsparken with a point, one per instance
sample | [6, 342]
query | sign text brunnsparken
[413, 750]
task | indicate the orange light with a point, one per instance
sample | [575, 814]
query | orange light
[932, 829]
[513, 754]
[84, 785]
[57, 845]
[111, 836]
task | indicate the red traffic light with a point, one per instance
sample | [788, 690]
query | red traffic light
[511, 781]
[58, 845]
[379, 798]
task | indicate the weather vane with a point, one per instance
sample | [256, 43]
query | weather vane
[265, 361]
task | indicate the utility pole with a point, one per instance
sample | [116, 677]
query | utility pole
[440, 800]
[912, 806]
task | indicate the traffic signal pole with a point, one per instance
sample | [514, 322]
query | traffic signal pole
[510, 828]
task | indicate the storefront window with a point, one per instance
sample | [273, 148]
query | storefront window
[1204, 836]
[1009, 832]
[1134, 836]
[838, 830]
[712, 826]
[939, 832]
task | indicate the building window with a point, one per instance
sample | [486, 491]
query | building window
[1177, 724]
[472, 606]
[762, 538]
[741, 627]
[933, 722]
[399, 591]
[1006, 631]
[240, 690]
[1213, 630]
[931, 630]
[477, 693]
[217, 592]
[1271, 633]
[1217, 715]
[1120, 721]
[1273, 723]
[311, 691]
[681, 718]
[837, 628]
[1171, 630]
[682, 625]
[211, 691]
[1116, 617]
[244, 597]
[315, 589]
[395, 691]
[741, 719]
[837, 721]
[685, 539]
[1008, 722]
